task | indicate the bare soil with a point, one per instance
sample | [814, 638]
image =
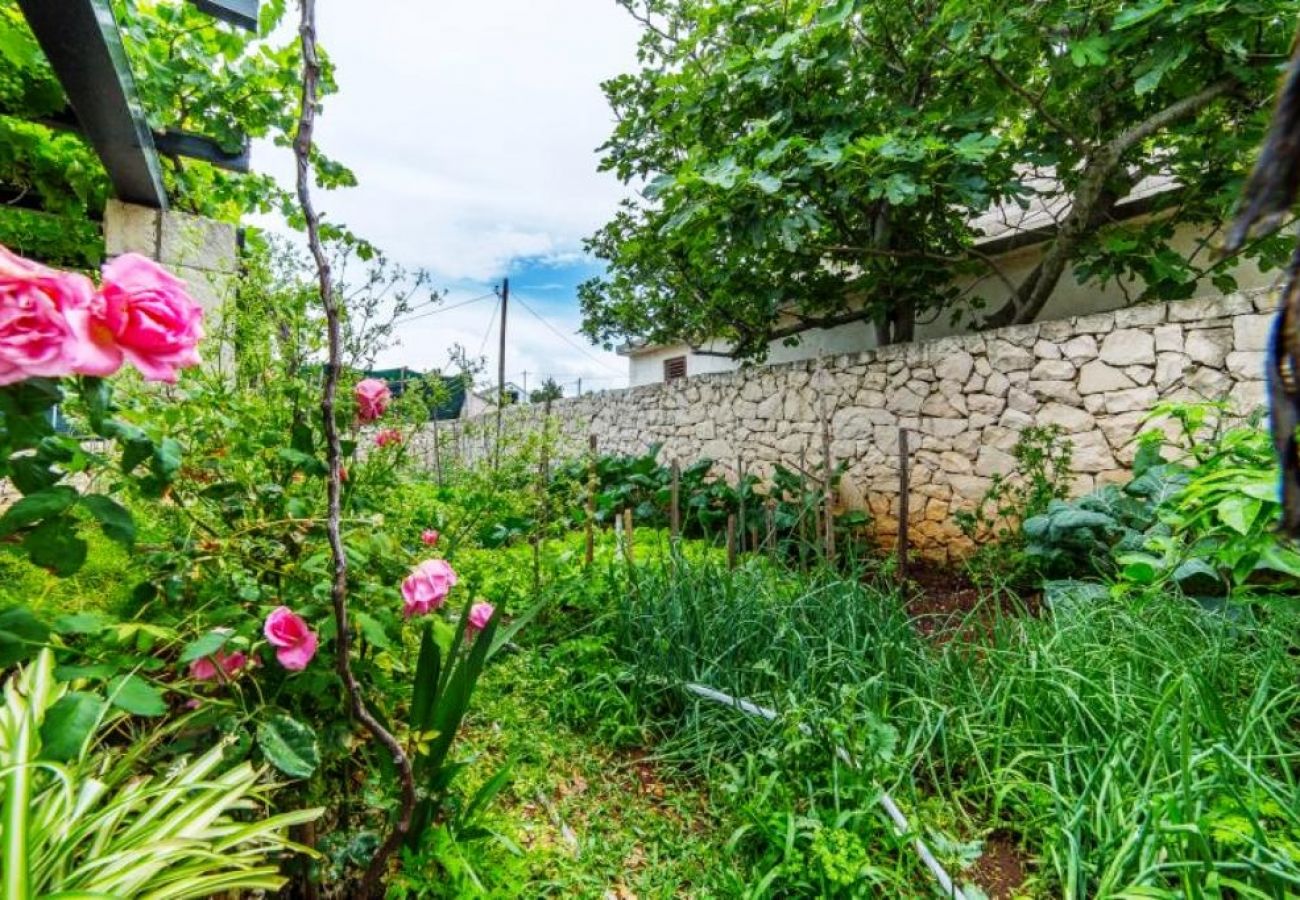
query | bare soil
[1001, 870]
[946, 605]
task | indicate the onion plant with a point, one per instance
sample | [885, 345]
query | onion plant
[80, 821]
[1136, 744]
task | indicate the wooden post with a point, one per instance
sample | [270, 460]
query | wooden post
[904, 504]
[731, 541]
[770, 514]
[437, 453]
[675, 508]
[591, 503]
[504, 294]
[740, 500]
[630, 545]
[828, 476]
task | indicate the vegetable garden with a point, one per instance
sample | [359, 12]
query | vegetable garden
[252, 646]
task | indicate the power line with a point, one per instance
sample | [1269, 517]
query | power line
[487, 334]
[564, 337]
[441, 309]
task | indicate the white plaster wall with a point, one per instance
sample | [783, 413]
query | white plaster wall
[647, 367]
[1069, 299]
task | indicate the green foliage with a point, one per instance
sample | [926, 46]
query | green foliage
[1172, 728]
[812, 163]
[72, 804]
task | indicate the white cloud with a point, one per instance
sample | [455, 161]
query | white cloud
[472, 128]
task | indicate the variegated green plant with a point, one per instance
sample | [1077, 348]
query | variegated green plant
[81, 821]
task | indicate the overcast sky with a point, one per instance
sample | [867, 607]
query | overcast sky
[472, 129]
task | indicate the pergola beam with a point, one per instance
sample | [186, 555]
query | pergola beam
[81, 40]
[240, 13]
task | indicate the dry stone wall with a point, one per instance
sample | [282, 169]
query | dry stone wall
[965, 399]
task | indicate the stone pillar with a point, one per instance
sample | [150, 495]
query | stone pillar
[202, 252]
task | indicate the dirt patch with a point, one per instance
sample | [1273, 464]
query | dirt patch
[1000, 871]
[945, 604]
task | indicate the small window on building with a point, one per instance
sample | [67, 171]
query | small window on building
[674, 368]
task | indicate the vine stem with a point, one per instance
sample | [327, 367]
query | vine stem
[372, 881]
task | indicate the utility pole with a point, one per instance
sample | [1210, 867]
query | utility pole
[525, 397]
[501, 368]
[579, 387]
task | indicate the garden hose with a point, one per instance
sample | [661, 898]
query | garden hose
[901, 826]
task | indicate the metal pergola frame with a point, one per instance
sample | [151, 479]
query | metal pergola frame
[83, 44]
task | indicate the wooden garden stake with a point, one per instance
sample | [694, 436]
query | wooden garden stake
[770, 514]
[828, 492]
[591, 504]
[630, 546]
[904, 498]
[731, 541]
[740, 500]
[437, 453]
[675, 509]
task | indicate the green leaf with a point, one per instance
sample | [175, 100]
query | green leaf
[1141, 568]
[1197, 578]
[373, 631]
[54, 545]
[21, 635]
[80, 623]
[37, 507]
[137, 696]
[68, 724]
[1135, 15]
[289, 745]
[113, 518]
[207, 645]
[166, 460]
[1239, 512]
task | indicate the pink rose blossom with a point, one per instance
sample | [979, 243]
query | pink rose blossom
[429, 538]
[388, 436]
[143, 313]
[427, 587]
[295, 643]
[373, 397]
[45, 322]
[479, 615]
[206, 668]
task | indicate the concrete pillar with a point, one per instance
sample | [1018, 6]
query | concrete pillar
[202, 252]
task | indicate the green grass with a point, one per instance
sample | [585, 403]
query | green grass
[586, 820]
[105, 582]
[1135, 747]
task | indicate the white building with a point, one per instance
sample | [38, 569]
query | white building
[1012, 237]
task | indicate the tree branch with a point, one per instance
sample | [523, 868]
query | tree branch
[372, 882]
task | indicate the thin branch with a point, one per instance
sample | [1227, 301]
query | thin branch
[372, 882]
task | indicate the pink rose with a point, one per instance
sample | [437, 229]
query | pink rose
[45, 323]
[479, 616]
[295, 643]
[206, 669]
[427, 587]
[373, 397]
[429, 538]
[145, 315]
[388, 436]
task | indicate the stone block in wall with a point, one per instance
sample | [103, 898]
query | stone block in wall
[1098, 377]
[1247, 364]
[1005, 356]
[1208, 346]
[1129, 346]
[1080, 349]
[1252, 332]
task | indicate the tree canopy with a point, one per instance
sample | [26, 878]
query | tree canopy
[816, 162]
